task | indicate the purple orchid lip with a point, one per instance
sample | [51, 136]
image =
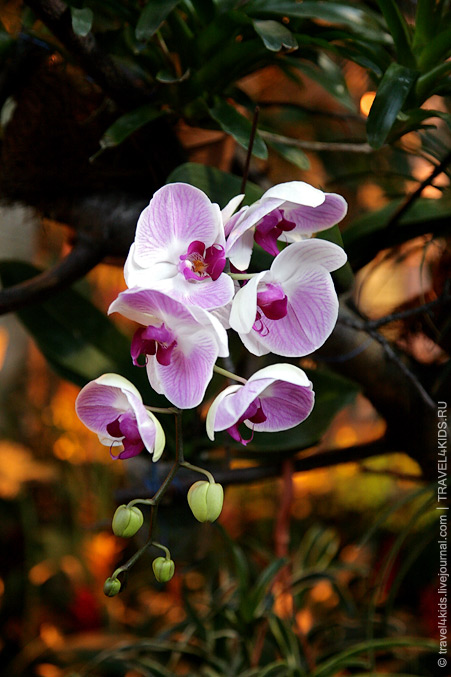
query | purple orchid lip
[113, 408]
[200, 263]
[270, 228]
[272, 301]
[125, 429]
[254, 414]
[152, 340]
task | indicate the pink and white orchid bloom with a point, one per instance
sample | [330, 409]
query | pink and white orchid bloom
[277, 397]
[112, 407]
[180, 343]
[179, 248]
[289, 212]
[292, 308]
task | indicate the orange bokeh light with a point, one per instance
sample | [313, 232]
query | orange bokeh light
[366, 102]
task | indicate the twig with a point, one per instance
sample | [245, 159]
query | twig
[317, 145]
[411, 312]
[357, 323]
[83, 257]
[410, 199]
[249, 150]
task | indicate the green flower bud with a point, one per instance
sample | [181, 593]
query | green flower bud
[163, 568]
[111, 586]
[205, 500]
[127, 521]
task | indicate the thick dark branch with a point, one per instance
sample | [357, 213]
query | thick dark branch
[235, 476]
[126, 90]
[387, 383]
[83, 257]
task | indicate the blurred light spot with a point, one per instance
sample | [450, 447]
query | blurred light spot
[18, 466]
[366, 102]
[350, 553]
[48, 670]
[4, 340]
[283, 603]
[286, 19]
[41, 572]
[346, 436]
[302, 508]
[239, 38]
[194, 580]
[50, 635]
[304, 620]
[322, 591]
[72, 567]
[371, 196]
[2, 587]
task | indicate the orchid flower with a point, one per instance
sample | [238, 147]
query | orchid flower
[277, 397]
[289, 211]
[292, 308]
[112, 407]
[180, 343]
[179, 248]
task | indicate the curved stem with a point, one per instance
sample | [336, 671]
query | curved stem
[224, 372]
[196, 468]
[242, 276]
[162, 547]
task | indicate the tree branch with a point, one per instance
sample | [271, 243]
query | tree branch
[387, 383]
[317, 145]
[83, 257]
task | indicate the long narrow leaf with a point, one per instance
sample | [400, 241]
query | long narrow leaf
[391, 95]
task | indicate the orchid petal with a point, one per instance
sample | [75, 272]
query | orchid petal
[285, 398]
[178, 213]
[244, 307]
[230, 209]
[313, 251]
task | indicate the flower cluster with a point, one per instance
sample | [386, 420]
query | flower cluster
[188, 285]
[184, 300]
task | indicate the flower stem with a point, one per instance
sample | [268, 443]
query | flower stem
[196, 468]
[162, 547]
[224, 372]
[242, 276]
[161, 410]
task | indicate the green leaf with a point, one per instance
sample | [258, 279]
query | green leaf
[391, 95]
[358, 19]
[218, 185]
[81, 20]
[152, 16]
[78, 340]
[339, 661]
[327, 74]
[399, 30]
[291, 154]
[235, 124]
[252, 603]
[275, 35]
[124, 126]
[166, 77]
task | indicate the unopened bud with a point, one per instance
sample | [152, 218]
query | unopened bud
[111, 587]
[163, 568]
[205, 500]
[127, 521]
